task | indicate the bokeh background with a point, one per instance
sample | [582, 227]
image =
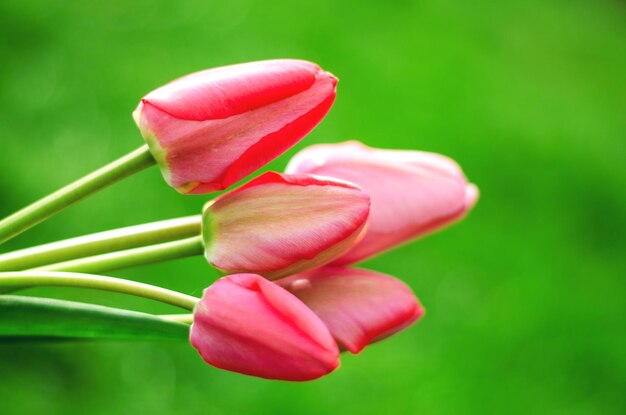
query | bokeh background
[525, 298]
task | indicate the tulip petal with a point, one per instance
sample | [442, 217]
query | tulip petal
[358, 306]
[273, 145]
[222, 92]
[210, 129]
[249, 325]
[412, 192]
[278, 225]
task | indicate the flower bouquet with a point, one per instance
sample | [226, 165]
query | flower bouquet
[291, 298]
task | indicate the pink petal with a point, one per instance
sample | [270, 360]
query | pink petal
[412, 192]
[210, 129]
[249, 325]
[358, 306]
[222, 92]
[278, 225]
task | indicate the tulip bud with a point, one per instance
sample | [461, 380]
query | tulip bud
[412, 192]
[249, 325]
[210, 129]
[358, 306]
[280, 224]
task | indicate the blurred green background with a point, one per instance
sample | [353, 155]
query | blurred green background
[525, 298]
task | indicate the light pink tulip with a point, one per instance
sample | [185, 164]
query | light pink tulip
[412, 192]
[281, 224]
[358, 306]
[210, 129]
[247, 324]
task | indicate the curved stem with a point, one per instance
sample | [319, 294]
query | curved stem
[25, 279]
[39, 211]
[131, 257]
[102, 242]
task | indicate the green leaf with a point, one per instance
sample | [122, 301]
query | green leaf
[44, 319]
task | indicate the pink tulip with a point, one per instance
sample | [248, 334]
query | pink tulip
[209, 129]
[358, 306]
[412, 192]
[281, 224]
[246, 324]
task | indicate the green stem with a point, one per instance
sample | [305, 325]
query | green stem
[102, 242]
[131, 257]
[37, 212]
[181, 318]
[26, 279]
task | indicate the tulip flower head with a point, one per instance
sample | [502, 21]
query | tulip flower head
[358, 306]
[280, 224]
[210, 129]
[412, 192]
[247, 324]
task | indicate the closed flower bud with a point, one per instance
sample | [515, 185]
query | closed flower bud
[280, 224]
[247, 324]
[358, 306]
[412, 192]
[209, 129]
